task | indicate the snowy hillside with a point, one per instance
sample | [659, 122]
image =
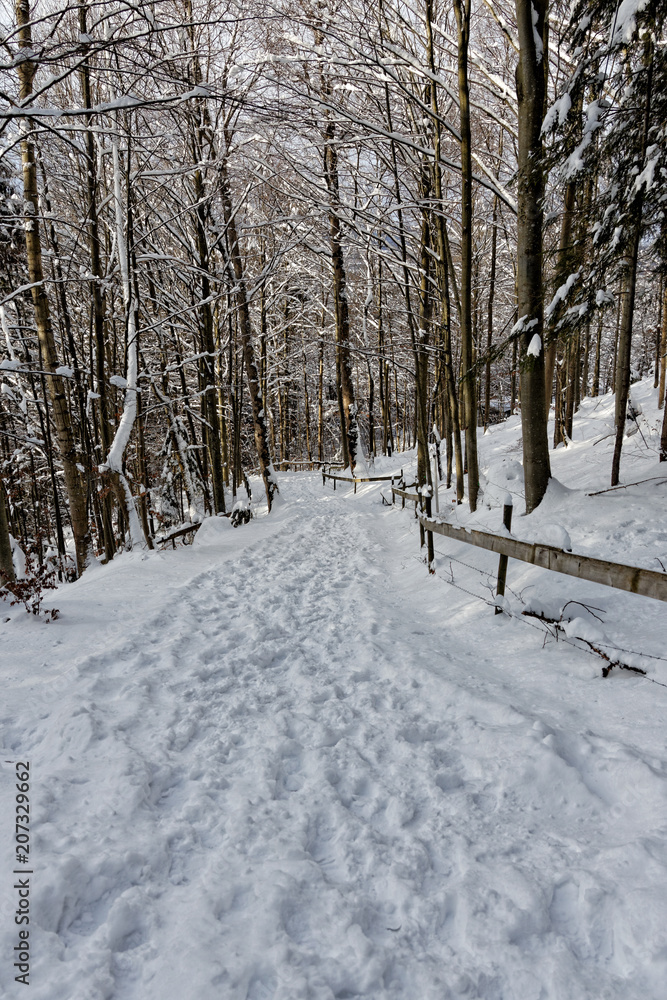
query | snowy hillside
[286, 764]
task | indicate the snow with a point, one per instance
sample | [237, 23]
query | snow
[556, 535]
[624, 24]
[503, 477]
[646, 176]
[523, 324]
[18, 558]
[535, 346]
[575, 161]
[561, 293]
[539, 47]
[559, 109]
[284, 762]
[213, 530]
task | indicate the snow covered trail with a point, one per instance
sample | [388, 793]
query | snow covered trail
[292, 778]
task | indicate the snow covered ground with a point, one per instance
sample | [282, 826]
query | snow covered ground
[287, 764]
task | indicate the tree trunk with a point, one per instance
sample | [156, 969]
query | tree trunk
[350, 431]
[207, 363]
[446, 270]
[74, 484]
[320, 404]
[489, 313]
[116, 454]
[595, 388]
[462, 11]
[6, 561]
[306, 404]
[420, 343]
[530, 88]
[572, 377]
[585, 363]
[663, 349]
[383, 372]
[562, 272]
[97, 286]
[622, 386]
[256, 399]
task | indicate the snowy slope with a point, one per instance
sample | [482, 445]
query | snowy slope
[286, 764]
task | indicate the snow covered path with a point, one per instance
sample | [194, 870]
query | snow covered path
[282, 774]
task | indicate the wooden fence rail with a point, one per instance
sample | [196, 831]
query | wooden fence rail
[404, 495]
[164, 539]
[633, 579]
[308, 464]
[360, 479]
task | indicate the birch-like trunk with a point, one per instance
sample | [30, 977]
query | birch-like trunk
[74, 482]
[114, 460]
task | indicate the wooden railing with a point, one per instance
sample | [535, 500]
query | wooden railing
[404, 495]
[633, 579]
[360, 479]
[165, 539]
[309, 465]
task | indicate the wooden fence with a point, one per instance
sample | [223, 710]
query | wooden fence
[404, 495]
[188, 529]
[360, 479]
[633, 579]
[305, 464]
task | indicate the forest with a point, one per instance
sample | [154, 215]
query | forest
[299, 302]
[236, 237]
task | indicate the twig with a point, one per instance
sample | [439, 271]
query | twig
[624, 486]
[589, 607]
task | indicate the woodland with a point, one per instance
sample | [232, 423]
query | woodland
[236, 237]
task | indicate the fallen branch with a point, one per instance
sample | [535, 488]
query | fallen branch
[624, 486]
[558, 624]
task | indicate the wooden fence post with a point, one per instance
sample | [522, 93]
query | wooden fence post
[502, 561]
[422, 533]
[429, 537]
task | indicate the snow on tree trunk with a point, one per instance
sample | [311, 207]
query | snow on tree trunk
[6, 560]
[114, 459]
